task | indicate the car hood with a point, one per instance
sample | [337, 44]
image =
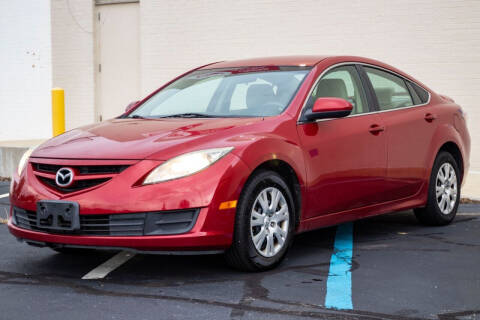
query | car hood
[138, 139]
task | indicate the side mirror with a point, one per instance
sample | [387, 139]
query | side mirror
[131, 105]
[329, 107]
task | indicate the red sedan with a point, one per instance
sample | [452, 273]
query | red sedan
[240, 156]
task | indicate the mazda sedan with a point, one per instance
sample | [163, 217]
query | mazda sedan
[239, 156]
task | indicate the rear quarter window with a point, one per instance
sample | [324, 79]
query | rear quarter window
[422, 93]
[415, 97]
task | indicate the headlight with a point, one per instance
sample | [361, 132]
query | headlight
[186, 164]
[24, 160]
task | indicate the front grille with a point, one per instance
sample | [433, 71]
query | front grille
[91, 175]
[102, 169]
[76, 186]
[128, 224]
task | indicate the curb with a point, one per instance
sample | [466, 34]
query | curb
[470, 200]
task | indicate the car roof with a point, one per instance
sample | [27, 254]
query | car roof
[304, 61]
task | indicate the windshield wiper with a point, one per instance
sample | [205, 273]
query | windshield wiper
[136, 116]
[189, 115]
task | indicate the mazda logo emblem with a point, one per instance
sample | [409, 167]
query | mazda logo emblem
[64, 177]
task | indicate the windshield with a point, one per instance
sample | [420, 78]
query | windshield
[241, 92]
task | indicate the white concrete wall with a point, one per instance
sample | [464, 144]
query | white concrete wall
[25, 69]
[45, 44]
[438, 42]
[48, 43]
[73, 58]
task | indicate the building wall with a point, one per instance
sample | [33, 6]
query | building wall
[73, 58]
[45, 44]
[438, 42]
[25, 69]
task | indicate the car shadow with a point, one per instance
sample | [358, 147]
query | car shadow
[309, 250]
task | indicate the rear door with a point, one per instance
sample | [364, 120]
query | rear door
[410, 125]
[346, 157]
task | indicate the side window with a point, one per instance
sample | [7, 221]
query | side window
[391, 90]
[342, 82]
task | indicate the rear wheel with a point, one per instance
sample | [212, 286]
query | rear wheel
[443, 193]
[264, 224]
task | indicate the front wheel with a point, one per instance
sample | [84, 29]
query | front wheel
[264, 224]
[443, 192]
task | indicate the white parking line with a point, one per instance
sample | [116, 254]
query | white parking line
[4, 195]
[108, 266]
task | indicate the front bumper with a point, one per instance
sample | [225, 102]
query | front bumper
[213, 229]
[195, 240]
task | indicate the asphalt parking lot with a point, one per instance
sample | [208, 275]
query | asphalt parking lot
[399, 270]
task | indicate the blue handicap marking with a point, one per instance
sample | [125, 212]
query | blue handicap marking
[339, 282]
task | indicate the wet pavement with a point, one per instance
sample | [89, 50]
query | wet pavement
[400, 270]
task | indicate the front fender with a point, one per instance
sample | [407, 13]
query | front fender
[268, 148]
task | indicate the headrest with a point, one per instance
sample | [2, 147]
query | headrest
[332, 88]
[384, 96]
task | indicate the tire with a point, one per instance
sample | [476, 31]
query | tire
[439, 212]
[253, 222]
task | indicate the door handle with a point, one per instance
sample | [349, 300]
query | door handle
[376, 129]
[429, 117]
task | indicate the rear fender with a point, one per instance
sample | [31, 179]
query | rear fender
[445, 133]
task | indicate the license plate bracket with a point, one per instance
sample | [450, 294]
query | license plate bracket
[58, 215]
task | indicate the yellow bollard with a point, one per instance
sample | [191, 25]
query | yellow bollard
[58, 111]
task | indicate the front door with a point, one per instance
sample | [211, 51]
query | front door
[345, 158]
[117, 54]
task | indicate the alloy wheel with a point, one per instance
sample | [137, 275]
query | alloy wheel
[269, 222]
[446, 188]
